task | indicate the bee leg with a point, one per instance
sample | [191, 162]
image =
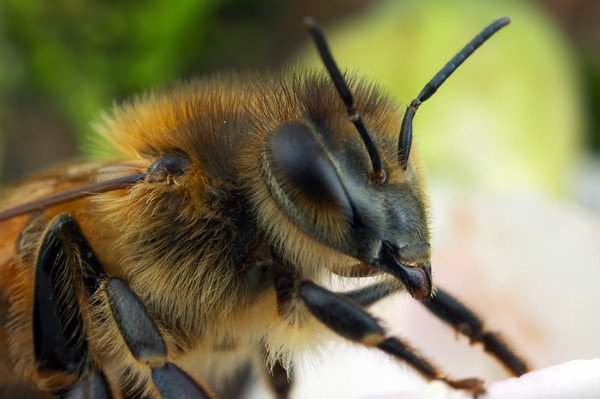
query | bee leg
[59, 336]
[370, 294]
[450, 310]
[60, 347]
[279, 382]
[351, 322]
[93, 385]
[278, 377]
[146, 344]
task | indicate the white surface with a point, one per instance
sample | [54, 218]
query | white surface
[577, 379]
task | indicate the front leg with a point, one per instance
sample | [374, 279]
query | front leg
[347, 319]
[451, 311]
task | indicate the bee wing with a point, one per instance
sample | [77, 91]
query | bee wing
[68, 183]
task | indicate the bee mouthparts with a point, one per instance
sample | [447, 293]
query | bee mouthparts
[416, 279]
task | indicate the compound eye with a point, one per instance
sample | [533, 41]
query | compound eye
[303, 169]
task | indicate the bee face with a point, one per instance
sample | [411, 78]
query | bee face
[318, 172]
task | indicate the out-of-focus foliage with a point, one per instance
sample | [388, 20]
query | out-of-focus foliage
[591, 73]
[579, 20]
[98, 50]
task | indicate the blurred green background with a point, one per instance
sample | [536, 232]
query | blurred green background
[521, 115]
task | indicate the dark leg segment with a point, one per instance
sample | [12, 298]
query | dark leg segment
[58, 332]
[174, 383]
[370, 294]
[146, 344]
[60, 344]
[93, 386]
[137, 328]
[353, 323]
[66, 263]
[340, 315]
[448, 309]
[279, 382]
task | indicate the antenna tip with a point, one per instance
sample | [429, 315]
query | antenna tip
[502, 21]
[311, 23]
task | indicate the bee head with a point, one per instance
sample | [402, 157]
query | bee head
[359, 192]
[321, 177]
[346, 188]
[333, 182]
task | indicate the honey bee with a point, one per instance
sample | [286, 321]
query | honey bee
[208, 243]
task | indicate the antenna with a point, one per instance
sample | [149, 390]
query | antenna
[316, 32]
[405, 139]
